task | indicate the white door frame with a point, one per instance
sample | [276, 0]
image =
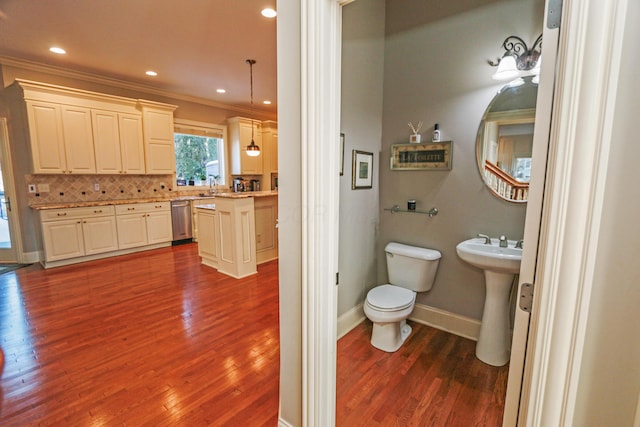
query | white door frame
[581, 135]
[588, 61]
[15, 253]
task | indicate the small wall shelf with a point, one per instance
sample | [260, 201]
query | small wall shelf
[395, 208]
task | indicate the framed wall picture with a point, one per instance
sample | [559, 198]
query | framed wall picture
[362, 170]
[341, 154]
[428, 156]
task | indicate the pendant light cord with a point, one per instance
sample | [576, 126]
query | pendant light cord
[251, 62]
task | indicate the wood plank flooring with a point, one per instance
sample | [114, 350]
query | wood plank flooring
[157, 339]
[434, 379]
[153, 338]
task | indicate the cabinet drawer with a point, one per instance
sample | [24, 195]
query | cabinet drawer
[142, 207]
[73, 213]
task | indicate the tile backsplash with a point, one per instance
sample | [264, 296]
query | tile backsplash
[88, 188]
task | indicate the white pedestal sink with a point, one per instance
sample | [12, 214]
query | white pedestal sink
[500, 265]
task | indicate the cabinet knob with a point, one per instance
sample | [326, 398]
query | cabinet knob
[98, 211]
[131, 209]
[62, 214]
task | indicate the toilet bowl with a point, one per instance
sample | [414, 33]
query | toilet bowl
[411, 269]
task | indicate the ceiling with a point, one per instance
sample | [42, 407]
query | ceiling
[195, 46]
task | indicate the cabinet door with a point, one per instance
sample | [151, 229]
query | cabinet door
[132, 230]
[78, 139]
[274, 152]
[208, 241]
[100, 235]
[47, 139]
[62, 239]
[159, 227]
[131, 143]
[158, 142]
[106, 141]
[250, 165]
[266, 214]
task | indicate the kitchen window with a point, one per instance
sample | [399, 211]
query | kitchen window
[200, 152]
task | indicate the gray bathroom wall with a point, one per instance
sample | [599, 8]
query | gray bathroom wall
[436, 71]
[361, 123]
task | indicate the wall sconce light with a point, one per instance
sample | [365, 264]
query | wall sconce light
[518, 60]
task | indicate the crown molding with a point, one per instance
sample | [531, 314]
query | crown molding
[123, 84]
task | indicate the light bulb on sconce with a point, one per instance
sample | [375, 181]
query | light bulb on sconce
[518, 60]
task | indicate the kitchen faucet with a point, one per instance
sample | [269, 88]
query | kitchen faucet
[212, 186]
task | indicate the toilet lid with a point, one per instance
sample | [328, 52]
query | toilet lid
[389, 297]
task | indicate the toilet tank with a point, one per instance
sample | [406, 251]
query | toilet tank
[411, 267]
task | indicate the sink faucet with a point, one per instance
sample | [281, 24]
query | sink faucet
[212, 186]
[487, 239]
[503, 241]
[519, 244]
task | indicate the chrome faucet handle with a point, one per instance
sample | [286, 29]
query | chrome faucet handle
[487, 239]
[519, 244]
[503, 241]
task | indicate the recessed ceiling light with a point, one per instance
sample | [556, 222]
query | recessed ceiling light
[269, 13]
[151, 73]
[58, 50]
[266, 102]
[221, 91]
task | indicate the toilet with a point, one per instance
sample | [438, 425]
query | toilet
[411, 269]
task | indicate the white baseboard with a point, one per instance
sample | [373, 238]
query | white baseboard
[462, 326]
[30, 257]
[446, 321]
[350, 320]
[283, 423]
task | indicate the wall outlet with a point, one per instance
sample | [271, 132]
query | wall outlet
[43, 188]
[96, 187]
[32, 188]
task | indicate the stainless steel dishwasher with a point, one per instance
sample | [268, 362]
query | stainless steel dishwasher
[181, 221]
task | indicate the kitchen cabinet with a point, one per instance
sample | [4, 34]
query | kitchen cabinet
[209, 242]
[159, 151]
[266, 217]
[230, 235]
[239, 130]
[118, 141]
[77, 232]
[76, 131]
[194, 214]
[142, 224]
[270, 144]
[61, 138]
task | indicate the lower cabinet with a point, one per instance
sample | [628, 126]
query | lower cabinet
[209, 242]
[143, 224]
[266, 213]
[77, 232]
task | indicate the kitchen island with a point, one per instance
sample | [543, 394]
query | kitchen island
[238, 232]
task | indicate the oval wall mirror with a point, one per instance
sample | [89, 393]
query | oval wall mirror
[505, 140]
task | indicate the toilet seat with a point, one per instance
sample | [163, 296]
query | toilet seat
[390, 298]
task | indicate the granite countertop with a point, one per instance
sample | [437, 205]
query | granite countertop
[245, 194]
[66, 205]
[210, 207]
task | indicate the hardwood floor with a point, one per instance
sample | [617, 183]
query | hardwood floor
[155, 338]
[434, 379]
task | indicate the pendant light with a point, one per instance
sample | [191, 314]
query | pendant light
[252, 149]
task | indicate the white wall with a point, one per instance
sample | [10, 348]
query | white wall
[289, 211]
[610, 373]
[361, 122]
[436, 71]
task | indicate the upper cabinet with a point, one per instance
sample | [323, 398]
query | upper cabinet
[240, 131]
[77, 131]
[270, 146]
[160, 155]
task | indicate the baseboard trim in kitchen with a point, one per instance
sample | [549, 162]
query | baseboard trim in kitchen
[51, 264]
